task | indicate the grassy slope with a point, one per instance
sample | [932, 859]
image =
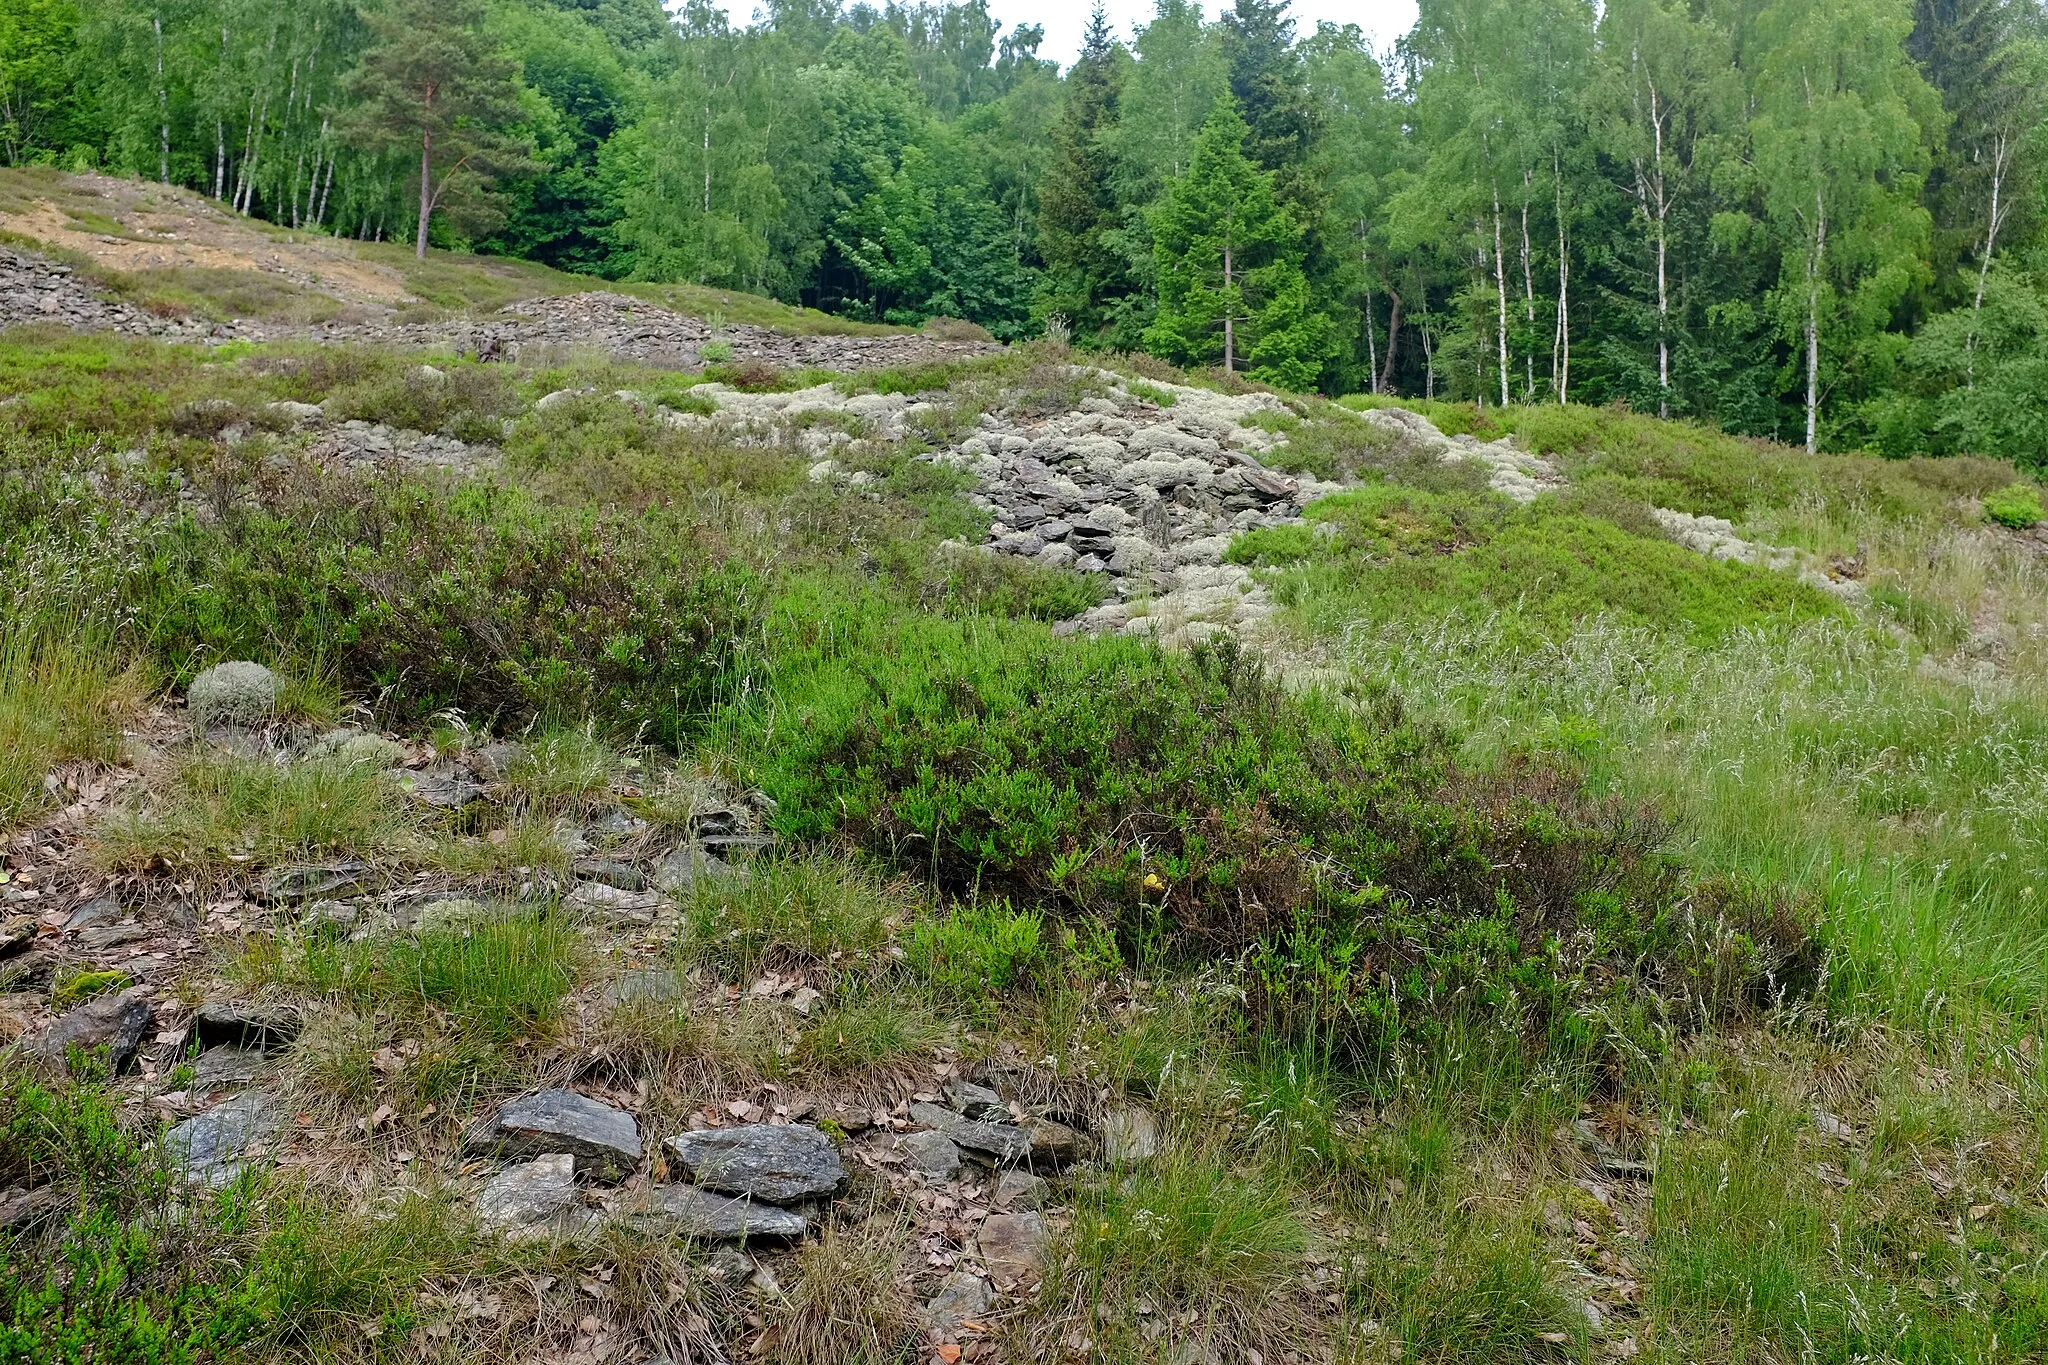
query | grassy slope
[447, 281]
[1847, 1162]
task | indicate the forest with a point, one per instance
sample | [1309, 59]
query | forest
[1809, 220]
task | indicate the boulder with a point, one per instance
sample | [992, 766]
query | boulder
[605, 1140]
[233, 693]
[686, 1211]
[779, 1163]
[115, 1023]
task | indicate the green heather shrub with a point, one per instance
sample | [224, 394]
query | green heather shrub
[1328, 839]
[476, 598]
[2016, 505]
[467, 402]
[975, 953]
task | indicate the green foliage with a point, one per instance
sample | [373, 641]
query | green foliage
[1193, 804]
[977, 952]
[2016, 505]
[495, 976]
[1388, 551]
[58, 703]
[805, 912]
[83, 986]
[1226, 252]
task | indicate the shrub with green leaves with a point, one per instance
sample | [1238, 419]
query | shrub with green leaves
[977, 952]
[2017, 505]
[1190, 801]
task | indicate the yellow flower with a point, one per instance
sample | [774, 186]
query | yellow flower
[1152, 882]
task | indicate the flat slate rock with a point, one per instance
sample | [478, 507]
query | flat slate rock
[113, 1022]
[219, 1144]
[241, 1023]
[604, 1140]
[780, 1163]
[963, 1297]
[534, 1199]
[227, 1068]
[931, 1152]
[295, 884]
[686, 1211]
[998, 1142]
[1012, 1245]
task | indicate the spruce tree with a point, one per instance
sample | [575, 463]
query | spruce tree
[436, 84]
[1228, 257]
[1077, 206]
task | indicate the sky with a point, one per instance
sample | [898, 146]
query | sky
[1065, 20]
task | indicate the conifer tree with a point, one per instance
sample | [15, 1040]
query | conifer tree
[1228, 258]
[1078, 214]
[434, 82]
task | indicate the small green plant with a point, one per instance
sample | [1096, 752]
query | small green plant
[57, 703]
[870, 1034]
[715, 352]
[228, 812]
[977, 952]
[1151, 393]
[813, 910]
[2017, 505]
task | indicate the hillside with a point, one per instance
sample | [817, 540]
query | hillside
[522, 836]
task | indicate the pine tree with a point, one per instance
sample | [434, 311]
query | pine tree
[1228, 258]
[1078, 214]
[434, 82]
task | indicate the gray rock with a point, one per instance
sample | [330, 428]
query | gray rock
[104, 908]
[686, 1211]
[233, 693]
[963, 1297]
[931, 1153]
[1052, 1144]
[219, 1144]
[491, 762]
[1130, 1134]
[623, 876]
[227, 1068]
[780, 1163]
[17, 934]
[293, 884]
[535, 1199]
[245, 1023]
[1020, 1190]
[1012, 1246]
[645, 985]
[604, 1140]
[113, 1022]
[977, 1101]
[997, 1142]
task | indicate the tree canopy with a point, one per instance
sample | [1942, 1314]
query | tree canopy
[1820, 220]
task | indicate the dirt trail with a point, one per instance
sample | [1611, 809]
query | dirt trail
[168, 229]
